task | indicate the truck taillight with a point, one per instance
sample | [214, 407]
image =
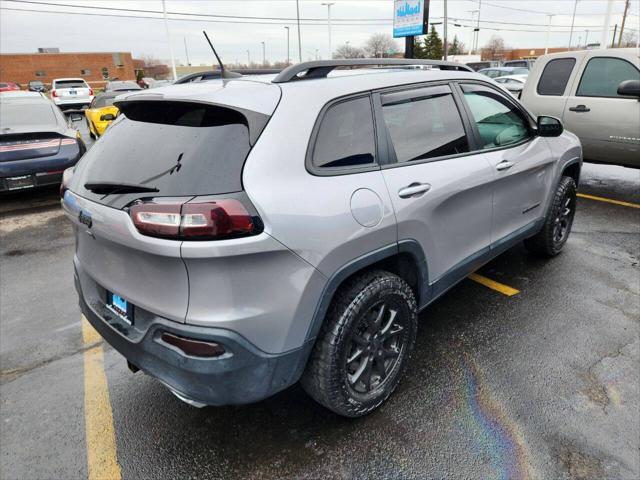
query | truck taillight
[207, 220]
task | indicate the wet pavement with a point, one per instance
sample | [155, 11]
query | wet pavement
[543, 384]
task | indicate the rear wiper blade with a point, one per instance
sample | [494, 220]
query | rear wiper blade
[108, 188]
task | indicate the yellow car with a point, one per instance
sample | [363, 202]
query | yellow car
[101, 113]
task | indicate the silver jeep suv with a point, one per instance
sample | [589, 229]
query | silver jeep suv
[235, 237]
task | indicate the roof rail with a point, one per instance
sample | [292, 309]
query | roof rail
[322, 68]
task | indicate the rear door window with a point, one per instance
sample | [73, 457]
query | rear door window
[423, 124]
[345, 138]
[555, 76]
[179, 148]
[603, 75]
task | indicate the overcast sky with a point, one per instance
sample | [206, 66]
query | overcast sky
[524, 25]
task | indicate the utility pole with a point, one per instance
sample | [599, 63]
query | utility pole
[186, 51]
[264, 54]
[446, 20]
[288, 56]
[166, 27]
[328, 5]
[586, 39]
[248, 59]
[607, 23]
[624, 18]
[546, 45]
[473, 30]
[613, 39]
[478, 25]
[299, 37]
[573, 19]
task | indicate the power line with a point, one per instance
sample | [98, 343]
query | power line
[261, 20]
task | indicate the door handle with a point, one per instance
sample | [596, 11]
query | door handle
[580, 109]
[504, 165]
[414, 190]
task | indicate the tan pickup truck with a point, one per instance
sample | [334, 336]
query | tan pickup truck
[596, 94]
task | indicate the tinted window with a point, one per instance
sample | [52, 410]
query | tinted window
[424, 127]
[499, 122]
[179, 148]
[555, 76]
[20, 114]
[70, 84]
[603, 75]
[345, 137]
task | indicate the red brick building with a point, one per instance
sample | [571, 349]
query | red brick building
[519, 53]
[95, 67]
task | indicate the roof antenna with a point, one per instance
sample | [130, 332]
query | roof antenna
[223, 72]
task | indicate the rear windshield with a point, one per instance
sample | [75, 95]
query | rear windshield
[70, 84]
[178, 148]
[124, 86]
[19, 115]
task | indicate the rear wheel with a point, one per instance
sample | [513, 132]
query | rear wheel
[557, 226]
[364, 345]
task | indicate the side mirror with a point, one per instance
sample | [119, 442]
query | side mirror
[630, 88]
[107, 117]
[549, 127]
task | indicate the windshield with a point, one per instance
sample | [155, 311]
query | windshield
[180, 148]
[21, 114]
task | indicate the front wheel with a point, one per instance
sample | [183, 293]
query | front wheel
[557, 226]
[364, 345]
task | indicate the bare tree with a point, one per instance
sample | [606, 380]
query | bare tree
[494, 48]
[347, 51]
[628, 39]
[380, 45]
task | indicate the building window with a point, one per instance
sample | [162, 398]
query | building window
[85, 71]
[105, 73]
[41, 73]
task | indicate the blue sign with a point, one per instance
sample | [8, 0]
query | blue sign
[410, 17]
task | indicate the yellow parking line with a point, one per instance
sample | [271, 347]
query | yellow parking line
[608, 200]
[499, 287]
[102, 461]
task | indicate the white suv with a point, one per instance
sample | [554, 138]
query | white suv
[71, 93]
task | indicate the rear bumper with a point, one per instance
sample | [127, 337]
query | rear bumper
[72, 102]
[244, 374]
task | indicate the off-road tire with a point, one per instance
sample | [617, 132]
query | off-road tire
[326, 377]
[547, 241]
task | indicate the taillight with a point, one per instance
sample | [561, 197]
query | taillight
[206, 220]
[91, 92]
[54, 93]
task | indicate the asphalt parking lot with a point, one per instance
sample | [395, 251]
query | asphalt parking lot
[529, 370]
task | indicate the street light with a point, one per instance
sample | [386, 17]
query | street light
[248, 59]
[264, 54]
[573, 19]
[288, 56]
[328, 5]
[546, 46]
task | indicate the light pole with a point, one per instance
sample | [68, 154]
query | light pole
[473, 32]
[248, 59]
[573, 19]
[546, 45]
[328, 5]
[288, 56]
[166, 27]
[607, 23]
[299, 37]
[586, 39]
[186, 51]
[446, 50]
[264, 54]
[478, 25]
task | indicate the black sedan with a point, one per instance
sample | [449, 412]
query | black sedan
[37, 143]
